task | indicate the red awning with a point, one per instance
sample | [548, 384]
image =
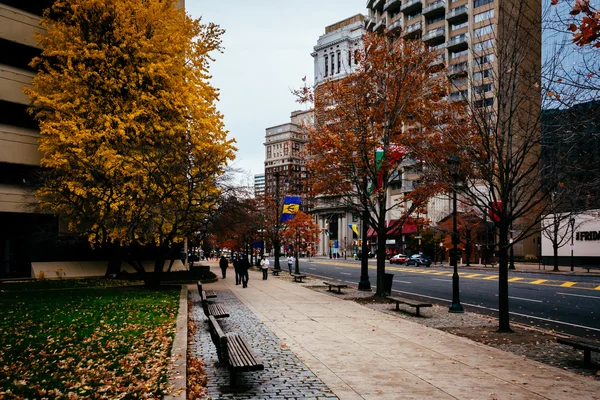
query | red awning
[407, 229]
[371, 233]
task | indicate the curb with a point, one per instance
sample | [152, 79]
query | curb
[177, 369]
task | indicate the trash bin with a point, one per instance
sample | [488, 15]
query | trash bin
[388, 279]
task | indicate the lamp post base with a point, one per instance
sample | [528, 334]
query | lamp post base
[364, 284]
[456, 308]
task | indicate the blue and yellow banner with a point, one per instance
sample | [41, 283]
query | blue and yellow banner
[291, 206]
[354, 229]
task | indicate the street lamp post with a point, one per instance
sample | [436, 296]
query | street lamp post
[276, 244]
[456, 307]
[572, 222]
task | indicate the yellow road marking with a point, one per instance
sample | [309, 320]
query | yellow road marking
[568, 284]
[489, 278]
[515, 279]
[597, 288]
[471, 275]
[538, 281]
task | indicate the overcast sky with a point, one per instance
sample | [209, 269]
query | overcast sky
[267, 53]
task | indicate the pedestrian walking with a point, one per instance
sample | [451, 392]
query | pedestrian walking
[290, 261]
[243, 266]
[223, 263]
[236, 268]
[264, 266]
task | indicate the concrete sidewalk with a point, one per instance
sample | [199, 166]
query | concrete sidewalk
[360, 353]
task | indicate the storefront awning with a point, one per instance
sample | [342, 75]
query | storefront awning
[407, 229]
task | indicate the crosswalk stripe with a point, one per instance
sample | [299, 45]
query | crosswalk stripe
[515, 279]
[489, 278]
[568, 284]
[538, 281]
[471, 275]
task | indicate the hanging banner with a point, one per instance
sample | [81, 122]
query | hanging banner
[291, 206]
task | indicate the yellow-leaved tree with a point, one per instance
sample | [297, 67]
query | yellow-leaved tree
[132, 145]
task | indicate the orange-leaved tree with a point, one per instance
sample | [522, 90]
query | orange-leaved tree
[131, 139]
[587, 30]
[367, 127]
[302, 233]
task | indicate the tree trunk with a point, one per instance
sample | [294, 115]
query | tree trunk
[503, 308]
[113, 268]
[364, 283]
[555, 247]
[154, 278]
[381, 265]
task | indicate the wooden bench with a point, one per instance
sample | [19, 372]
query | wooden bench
[209, 293]
[337, 285]
[588, 267]
[233, 351]
[409, 302]
[212, 309]
[298, 277]
[276, 272]
[587, 345]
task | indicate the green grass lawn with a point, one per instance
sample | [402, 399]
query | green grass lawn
[100, 342]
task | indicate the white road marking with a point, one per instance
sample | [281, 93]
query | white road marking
[441, 280]
[402, 281]
[312, 268]
[345, 273]
[524, 299]
[578, 295]
[495, 309]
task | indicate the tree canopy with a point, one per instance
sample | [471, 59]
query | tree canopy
[132, 143]
[369, 126]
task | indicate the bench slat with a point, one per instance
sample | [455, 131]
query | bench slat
[241, 355]
[217, 310]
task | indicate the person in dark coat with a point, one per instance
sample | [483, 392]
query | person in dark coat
[236, 268]
[243, 266]
[223, 263]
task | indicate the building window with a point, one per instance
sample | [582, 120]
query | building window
[339, 61]
[486, 44]
[332, 63]
[459, 54]
[479, 3]
[484, 30]
[484, 103]
[454, 27]
[326, 66]
[483, 88]
[355, 57]
[486, 73]
[488, 58]
[484, 15]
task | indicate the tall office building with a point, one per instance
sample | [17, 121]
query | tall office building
[19, 156]
[335, 57]
[478, 41]
[284, 146]
[259, 185]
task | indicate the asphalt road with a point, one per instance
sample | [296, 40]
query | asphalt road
[563, 303]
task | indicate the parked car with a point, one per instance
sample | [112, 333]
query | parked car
[419, 259]
[398, 259]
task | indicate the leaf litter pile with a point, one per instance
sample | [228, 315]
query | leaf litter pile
[92, 343]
